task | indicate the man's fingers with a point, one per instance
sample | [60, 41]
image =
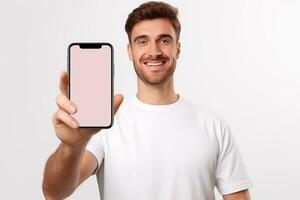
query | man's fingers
[118, 99]
[63, 82]
[62, 116]
[65, 104]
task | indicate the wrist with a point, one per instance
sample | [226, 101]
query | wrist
[76, 143]
[73, 148]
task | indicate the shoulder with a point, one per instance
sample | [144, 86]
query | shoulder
[211, 121]
[205, 114]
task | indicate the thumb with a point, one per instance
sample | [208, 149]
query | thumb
[118, 99]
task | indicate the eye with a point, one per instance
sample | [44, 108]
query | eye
[165, 40]
[142, 42]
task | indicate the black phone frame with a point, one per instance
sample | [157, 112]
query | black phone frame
[94, 45]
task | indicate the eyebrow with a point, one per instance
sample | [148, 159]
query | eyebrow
[160, 36]
[166, 35]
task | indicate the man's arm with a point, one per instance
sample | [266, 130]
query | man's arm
[65, 170]
[71, 164]
[241, 195]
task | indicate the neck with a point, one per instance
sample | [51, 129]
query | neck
[157, 94]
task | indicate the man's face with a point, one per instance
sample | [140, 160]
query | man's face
[154, 50]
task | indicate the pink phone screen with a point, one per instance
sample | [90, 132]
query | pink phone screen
[90, 85]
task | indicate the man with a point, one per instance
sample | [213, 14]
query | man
[161, 146]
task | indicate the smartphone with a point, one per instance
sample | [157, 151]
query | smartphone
[90, 69]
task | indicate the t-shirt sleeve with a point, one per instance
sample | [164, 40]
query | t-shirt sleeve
[231, 174]
[96, 147]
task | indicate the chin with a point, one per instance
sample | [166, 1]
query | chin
[155, 80]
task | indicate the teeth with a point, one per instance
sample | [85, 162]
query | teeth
[154, 63]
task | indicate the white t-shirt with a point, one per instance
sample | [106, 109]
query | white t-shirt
[167, 152]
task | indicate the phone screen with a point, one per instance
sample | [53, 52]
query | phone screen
[91, 83]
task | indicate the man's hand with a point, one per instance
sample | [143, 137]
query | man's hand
[66, 127]
[241, 195]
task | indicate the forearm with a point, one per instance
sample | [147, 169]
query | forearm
[62, 172]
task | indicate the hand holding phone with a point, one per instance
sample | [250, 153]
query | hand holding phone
[66, 127]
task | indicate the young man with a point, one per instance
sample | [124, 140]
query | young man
[161, 146]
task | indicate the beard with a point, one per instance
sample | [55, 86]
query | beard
[158, 77]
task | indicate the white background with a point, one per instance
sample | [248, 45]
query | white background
[239, 57]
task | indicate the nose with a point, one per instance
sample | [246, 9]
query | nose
[155, 50]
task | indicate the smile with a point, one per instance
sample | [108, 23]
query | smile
[155, 66]
[154, 63]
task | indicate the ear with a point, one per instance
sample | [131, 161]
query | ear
[178, 50]
[129, 51]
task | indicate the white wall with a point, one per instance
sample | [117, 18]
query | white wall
[240, 58]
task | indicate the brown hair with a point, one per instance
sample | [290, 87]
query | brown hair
[153, 10]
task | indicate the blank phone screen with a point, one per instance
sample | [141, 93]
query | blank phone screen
[90, 86]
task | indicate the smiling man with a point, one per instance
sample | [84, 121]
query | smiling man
[162, 146]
